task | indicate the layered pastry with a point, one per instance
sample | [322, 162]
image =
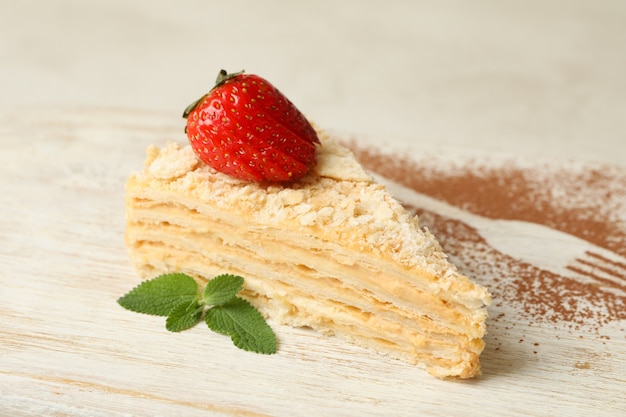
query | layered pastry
[333, 251]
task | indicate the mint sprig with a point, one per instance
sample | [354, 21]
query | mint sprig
[176, 296]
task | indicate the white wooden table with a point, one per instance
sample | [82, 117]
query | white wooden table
[86, 87]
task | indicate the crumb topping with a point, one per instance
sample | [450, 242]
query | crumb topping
[170, 162]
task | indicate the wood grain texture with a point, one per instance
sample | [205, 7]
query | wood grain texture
[67, 348]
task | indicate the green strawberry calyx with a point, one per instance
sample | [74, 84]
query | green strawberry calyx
[222, 77]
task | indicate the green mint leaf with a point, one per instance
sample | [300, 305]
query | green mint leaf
[160, 295]
[244, 324]
[184, 316]
[222, 289]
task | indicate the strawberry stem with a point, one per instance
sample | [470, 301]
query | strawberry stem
[192, 106]
[222, 77]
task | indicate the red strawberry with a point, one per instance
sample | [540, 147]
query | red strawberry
[248, 129]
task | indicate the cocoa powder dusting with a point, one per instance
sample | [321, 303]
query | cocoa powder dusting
[586, 201]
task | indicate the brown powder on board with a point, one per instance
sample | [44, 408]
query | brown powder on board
[586, 201]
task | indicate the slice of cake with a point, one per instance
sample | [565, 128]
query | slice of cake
[333, 251]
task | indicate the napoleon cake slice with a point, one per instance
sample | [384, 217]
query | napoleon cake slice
[333, 251]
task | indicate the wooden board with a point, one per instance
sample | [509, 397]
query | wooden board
[67, 348]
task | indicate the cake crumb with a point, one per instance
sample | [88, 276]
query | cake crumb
[171, 162]
[337, 162]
